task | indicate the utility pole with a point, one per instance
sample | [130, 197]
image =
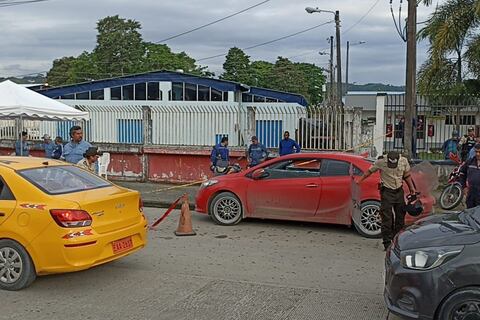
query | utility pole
[339, 60]
[409, 140]
[332, 96]
[346, 69]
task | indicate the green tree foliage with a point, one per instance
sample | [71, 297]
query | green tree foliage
[120, 50]
[260, 71]
[237, 66]
[286, 76]
[452, 32]
[315, 79]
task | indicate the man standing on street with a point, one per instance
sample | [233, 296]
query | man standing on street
[466, 143]
[393, 170]
[470, 172]
[21, 146]
[256, 153]
[74, 150]
[220, 158]
[288, 145]
[48, 146]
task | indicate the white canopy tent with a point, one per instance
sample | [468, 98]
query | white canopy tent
[18, 102]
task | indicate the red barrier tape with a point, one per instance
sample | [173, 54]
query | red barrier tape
[169, 210]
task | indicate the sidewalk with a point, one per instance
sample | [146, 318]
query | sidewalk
[155, 195]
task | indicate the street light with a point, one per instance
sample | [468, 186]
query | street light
[339, 55]
[346, 71]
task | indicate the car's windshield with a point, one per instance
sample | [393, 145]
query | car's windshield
[63, 179]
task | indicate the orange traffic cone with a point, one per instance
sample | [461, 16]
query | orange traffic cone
[185, 222]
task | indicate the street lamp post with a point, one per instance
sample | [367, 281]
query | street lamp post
[339, 55]
[347, 63]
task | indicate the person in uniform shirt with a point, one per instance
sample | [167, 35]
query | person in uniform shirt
[89, 161]
[48, 146]
[394, 169]
[256, 153]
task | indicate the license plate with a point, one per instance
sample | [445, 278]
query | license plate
[122, 245]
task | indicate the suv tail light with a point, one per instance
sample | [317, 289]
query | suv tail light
[140, 204]
[67, 218]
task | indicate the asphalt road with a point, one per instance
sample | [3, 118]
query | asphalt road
[254, 270]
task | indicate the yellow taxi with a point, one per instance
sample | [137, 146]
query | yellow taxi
[56, 217]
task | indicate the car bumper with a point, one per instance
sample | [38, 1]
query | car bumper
[201, 201]
[84, 252]
[413, 294]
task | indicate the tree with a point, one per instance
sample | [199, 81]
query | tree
[449, 30]
[315, 80]
[260, 71]
[286, 76]
[120, 47]
[237, 66]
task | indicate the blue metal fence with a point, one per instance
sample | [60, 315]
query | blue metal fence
[269, 132]
[130, 130]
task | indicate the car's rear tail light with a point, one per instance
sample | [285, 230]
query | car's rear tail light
[140, 204]
[71, 218]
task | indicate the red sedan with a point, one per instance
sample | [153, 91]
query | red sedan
[314, 187]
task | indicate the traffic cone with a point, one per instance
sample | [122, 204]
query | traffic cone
[185, 222]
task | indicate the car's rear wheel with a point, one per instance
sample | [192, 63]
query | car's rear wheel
[226, 209]
[462, 305]
[16, 267]
[369, 224]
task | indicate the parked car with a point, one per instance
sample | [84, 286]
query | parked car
[432, 270]
[314, 187]
[56, 217]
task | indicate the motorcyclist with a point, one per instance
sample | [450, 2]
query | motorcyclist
[219, 157]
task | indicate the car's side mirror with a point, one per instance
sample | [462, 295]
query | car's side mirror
[259, 174]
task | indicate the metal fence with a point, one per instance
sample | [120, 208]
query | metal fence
[200, 124]
[437, 118]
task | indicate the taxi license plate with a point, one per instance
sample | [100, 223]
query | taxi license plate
[122, 245]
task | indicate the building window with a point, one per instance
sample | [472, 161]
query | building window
[271, 100]
[217, 95]
[225, 96]
[82, 95]
[130, 130]
[258, 98]
[177, 91]
[141, 91]
[97, 94]
[127, 92]
[203, 93]
[153, 91]
[247, 97]
[464, 120]
[116, 93]
[68, 97]
[190, 92]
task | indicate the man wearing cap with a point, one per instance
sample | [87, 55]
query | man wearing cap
[89, 161]
[466, 143]
[256, 153]
[48, 146]
[470, 173]
[393, 168]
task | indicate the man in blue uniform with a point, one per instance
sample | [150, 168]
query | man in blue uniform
[220, 158]
[256, 153]
[48, 146]
[74, 150]
[288, 145]
[470, 172]
[21, 145]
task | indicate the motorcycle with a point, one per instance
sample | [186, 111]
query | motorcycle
[453, 193]
[220, 171]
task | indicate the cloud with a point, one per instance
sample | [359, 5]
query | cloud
[33, 35]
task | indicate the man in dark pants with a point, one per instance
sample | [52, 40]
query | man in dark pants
[393, 170]
[470, 172]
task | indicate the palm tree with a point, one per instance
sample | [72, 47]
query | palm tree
[451, 34]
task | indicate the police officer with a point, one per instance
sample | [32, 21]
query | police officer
[470, 172]
[220, 157]
[393, 170]
[466, 143]
[256, 153]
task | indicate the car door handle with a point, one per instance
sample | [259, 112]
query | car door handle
[312, 185]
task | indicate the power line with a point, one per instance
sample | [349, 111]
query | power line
[269, 42]
[363, 17]
[213, 22]
[17, 3]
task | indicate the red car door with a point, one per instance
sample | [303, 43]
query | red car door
[335, 204]
[290, 190]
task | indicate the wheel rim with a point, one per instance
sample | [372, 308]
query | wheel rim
[451, 196]
[370, 220]
[11, 265]
[227, 210]
[466, 310]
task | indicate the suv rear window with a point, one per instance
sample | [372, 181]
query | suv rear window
[63, 179]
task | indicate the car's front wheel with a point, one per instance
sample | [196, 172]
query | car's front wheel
[16, 267]
[369, 224]
[462, 305]
[226, 209]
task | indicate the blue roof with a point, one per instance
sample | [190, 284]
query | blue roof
[222, 85]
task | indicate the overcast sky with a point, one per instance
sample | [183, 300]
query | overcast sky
[33, 35]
